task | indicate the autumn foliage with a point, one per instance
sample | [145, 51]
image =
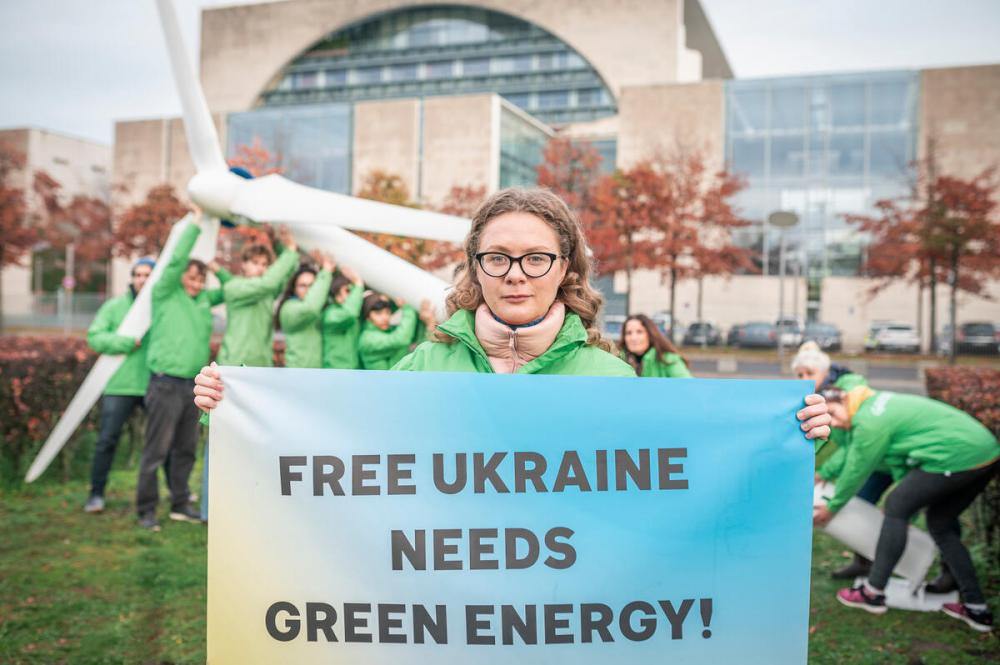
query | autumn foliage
[143, 228]
[428, 254]
[672, 214]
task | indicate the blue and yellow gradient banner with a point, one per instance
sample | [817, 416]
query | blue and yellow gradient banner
[384, 517]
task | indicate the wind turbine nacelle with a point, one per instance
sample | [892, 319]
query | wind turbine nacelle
[215, 192]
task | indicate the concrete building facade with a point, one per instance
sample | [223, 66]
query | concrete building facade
[467, 93]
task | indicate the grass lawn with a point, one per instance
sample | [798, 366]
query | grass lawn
[77, 588]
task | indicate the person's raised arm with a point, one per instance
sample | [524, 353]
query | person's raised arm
[170, 279]
[337, 318]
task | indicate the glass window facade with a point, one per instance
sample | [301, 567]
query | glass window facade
[447, 50]
[521, 146]
[822, 146]
[312, 144]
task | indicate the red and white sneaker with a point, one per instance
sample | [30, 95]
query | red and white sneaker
[861, 599]
[981, 620]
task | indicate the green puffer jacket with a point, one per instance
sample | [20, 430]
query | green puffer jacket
[249, 338]
[300, 321]
[569, 354]
[381, 349]
[341, 329]
[133, 376]
[906, 432]
[181, 329]
[669, 366]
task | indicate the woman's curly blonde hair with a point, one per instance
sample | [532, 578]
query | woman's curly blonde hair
[575, 291]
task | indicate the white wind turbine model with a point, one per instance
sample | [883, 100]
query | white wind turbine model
[318, 218]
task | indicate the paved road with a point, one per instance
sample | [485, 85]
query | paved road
[881, 377]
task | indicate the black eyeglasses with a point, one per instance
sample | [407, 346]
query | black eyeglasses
[534, 265]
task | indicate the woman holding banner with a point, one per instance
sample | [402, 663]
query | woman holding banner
[944, 458]
[522, 303]
[649, 352]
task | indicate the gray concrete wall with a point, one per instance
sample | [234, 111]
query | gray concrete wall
[960, 109]
[664, 118]
[244, 48]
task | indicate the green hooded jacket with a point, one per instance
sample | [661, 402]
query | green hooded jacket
[133, 376]
[569, 354]
[905, 432]
[381, 349]
[300, 321]
[341, 329]
[181, 329]
[249, 338]
[669, 366]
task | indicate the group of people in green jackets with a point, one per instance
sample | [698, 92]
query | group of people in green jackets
[325, 316]
[935, 458]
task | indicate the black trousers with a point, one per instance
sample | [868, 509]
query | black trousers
[115, 412]
[944, 496]
[171, 428]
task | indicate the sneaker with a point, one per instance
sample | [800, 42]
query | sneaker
[95, 504]
[185, 514]
[861, 599]
[148, 522]
[981, 620]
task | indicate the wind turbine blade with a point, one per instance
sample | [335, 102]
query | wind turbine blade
[135, 324]
[379, 269]
[274, 198]
[203, 140]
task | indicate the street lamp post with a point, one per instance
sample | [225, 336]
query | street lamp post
[782, 220]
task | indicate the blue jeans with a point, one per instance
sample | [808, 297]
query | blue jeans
[115, 411]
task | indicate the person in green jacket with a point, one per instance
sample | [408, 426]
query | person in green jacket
[650, 353]
[381, 344]
[811, 363]
[179, 337]
[521, 303]
[299, 313]
[250, 303]
[942, 458]
[127, 387]
[341, 325]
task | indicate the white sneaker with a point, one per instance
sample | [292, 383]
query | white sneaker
[95, 504]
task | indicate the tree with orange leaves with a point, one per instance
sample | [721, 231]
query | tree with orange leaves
[143, 228]
[17, 235]
[83, 222]
[571, 170]
[947, 230]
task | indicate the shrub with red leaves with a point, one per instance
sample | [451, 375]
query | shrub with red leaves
[38, 377]
[976, 390]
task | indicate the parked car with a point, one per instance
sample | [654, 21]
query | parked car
[760, 335]
[735, 334]
[702, 333]
[974, 337]
[826, 335]
[790, 332]
[978, 337]
[871, 343]
[897, 337]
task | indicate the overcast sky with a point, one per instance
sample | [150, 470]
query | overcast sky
[76, 66]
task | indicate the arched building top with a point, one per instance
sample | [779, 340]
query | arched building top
[245, 48]
[446, 50]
